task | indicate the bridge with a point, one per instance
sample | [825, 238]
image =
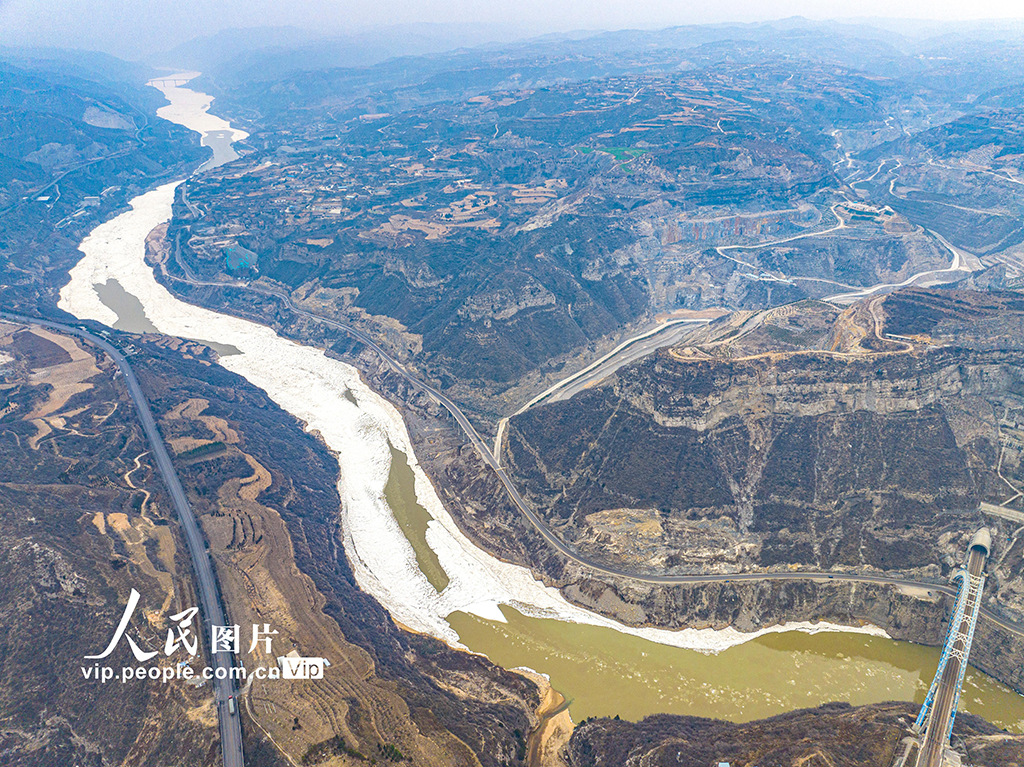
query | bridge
[163, 82]
[935, 722]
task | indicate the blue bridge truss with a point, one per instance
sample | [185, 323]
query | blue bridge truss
[957, 645]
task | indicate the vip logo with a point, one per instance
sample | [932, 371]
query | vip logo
[297, 667]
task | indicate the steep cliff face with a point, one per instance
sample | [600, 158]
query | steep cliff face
[817, 459]
[746, 460]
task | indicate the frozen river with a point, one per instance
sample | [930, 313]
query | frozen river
[407, 551]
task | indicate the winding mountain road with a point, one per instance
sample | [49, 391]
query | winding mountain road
[956, 266]
[629, 350]
[856, 294]
[206, 580]
[539, 524]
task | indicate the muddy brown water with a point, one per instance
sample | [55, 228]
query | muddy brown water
[400, 493]
[606, 673]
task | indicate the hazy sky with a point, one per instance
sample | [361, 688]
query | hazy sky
[132, 27]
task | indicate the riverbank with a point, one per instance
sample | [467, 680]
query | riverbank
[331, 398]
[363, 429]
[192, 109]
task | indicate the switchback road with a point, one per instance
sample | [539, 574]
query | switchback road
[538, 523]
[955, 266]
[230, 726]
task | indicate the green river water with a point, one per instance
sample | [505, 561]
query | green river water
[607, 673]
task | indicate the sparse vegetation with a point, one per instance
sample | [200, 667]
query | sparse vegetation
[324, 750]
[202, 451]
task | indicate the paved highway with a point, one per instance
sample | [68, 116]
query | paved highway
[661, 335]
[955, 266]
[230, 726]
[541, 527]
[35, 193]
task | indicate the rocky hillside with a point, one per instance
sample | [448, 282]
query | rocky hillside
[495, 233]
[836, 735]
[78, 531]
[695, 460]
[84, 519]
[806, 457]
[265, 493]
[76, 143]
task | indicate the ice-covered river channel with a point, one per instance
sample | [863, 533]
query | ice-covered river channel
[407, 551]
